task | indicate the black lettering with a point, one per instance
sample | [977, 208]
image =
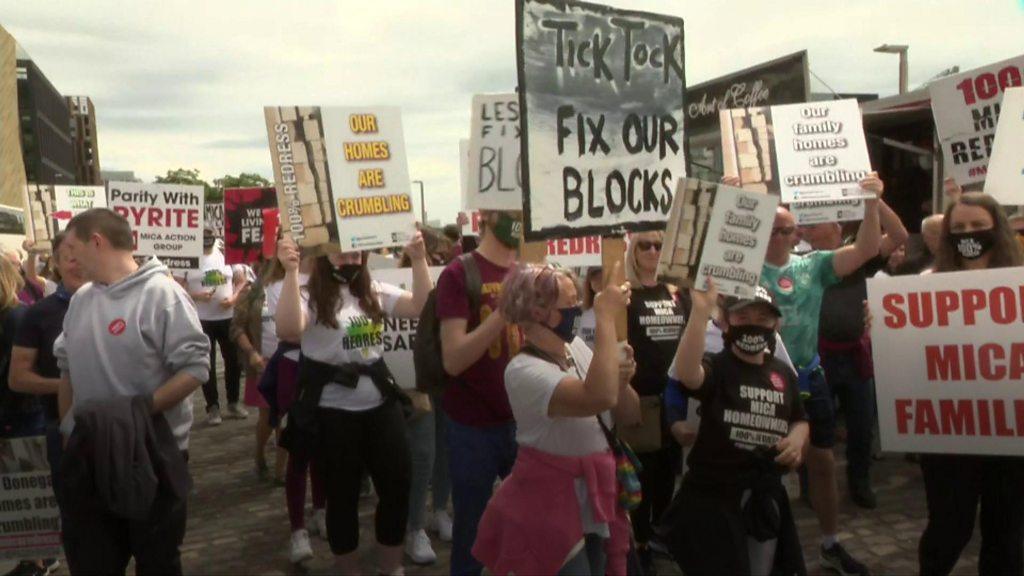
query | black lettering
[571, 192]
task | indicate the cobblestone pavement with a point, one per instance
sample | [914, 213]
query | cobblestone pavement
[238, 525]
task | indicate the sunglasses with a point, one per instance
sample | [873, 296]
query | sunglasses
[645, 245]
[785, 231]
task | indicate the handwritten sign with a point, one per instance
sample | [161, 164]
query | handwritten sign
[70, 201]
[494, 180]
[601, 108]
[213, 218]
[244, 222]
[166, 220]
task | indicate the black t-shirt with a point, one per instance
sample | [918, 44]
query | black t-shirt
[656, 321]
[39, 329]
[743, 407]
[842, 306]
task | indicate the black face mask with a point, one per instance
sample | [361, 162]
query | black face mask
[750, 338]
[972, 245]
[208, 242]
[346, 273]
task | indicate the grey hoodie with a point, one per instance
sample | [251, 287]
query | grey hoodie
[128, 338]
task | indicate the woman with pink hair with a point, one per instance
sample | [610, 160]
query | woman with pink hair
[558, 512]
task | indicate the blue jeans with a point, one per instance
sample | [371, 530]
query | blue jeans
[856, 397]
[476, 458]
[419, 432]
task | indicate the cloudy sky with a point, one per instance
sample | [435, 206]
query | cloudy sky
[182, 83]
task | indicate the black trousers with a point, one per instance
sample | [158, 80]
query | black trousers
[351, 443]
[218, 331]
[657, 480]
[954, 486]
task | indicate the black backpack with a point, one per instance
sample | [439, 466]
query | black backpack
[426, 354]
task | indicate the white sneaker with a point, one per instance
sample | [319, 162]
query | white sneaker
[443, 525]
[417, 547]
[318, 523]
[300, 548]
[236, 412]
[213, 416]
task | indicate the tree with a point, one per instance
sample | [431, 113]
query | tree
[243, 180]
[191, 177]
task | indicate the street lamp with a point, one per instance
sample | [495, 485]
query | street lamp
[423, 207]
[900, 49]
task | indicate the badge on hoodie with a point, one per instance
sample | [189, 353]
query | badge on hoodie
[117, 327]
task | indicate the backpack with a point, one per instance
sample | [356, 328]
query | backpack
[427, 356]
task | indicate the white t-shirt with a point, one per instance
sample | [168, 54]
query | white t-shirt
[356, 340]
[215, 275]
[530, 382]
[588, 327]
[272, 295]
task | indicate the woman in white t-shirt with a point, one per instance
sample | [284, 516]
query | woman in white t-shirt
[359, 422]
[557, 511]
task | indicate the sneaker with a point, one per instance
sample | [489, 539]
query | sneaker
[418, 549]
[27, 568]
[838, 559]
[862, 494]
[646, 560]
[300, 548]
[213, 416]
[657, 546]
[236, 412]
[50, 565]
[367, 488]
[443, 525]
[318, 523]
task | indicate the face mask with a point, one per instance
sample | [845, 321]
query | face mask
[208, 242]
[566, 329]
[346, 273]
[508, 230]
[972, 245]
[750, 338]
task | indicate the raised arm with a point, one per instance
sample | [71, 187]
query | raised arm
[410, 304]
[848, 259]
[894, 234]
[290, 317]
[690, 353]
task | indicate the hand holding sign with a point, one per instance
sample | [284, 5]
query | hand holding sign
[613, 299]
[416, 249]
[288, 254]
[872, 183]
[704, 301]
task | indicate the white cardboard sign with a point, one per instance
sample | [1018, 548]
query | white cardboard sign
[29, 514]
[1005, 180]
[166, 220]
[816, 212]
[494, 178]
[575, 252]
[400, 333]
[70, 201]
[949, 361]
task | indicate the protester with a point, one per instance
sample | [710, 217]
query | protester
[931, 231]
[254, 333]
[20, 414]
[215, 288]
[845, 350]
[656, 318]
[975, 236]
[798, 284]
[732, 514]
[349, 398]
[476, 347]
[30, 290]
[33, 368]
[592, 283]
[132, 346]
[557, 511]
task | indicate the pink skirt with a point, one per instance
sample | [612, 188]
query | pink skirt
[252, 397]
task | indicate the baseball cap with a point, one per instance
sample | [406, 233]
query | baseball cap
[761, 297]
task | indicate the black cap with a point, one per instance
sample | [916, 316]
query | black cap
[761, 297]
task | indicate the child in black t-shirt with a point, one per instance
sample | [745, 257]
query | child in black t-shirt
[732, 515]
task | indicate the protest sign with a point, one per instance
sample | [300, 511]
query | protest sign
[299, 156]
[720, 232]
[601, 110]
[966, 109]
[1005, 181]
[376, 261]
[399, 334]
[213, 218]
[575, 252]
[39, 222]
[949, 360]
[495, 181]
[471, 228]
[29, 516]
[748, 148]
[70, 201]
[12, 221]
[244, 222]
[816, 212]
[369, 176]
[166, 220]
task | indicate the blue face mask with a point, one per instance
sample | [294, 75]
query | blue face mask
[566, 329]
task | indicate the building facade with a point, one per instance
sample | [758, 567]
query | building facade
[84, 140]
[45, 127]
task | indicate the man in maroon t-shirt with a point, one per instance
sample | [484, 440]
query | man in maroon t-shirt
[477, 345]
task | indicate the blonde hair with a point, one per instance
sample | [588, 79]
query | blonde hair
[10, 284]
[632, 268]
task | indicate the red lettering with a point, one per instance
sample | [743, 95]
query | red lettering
[943, 362]
[957, 418]
[594, 245]
[563, 249]
[920, 304]
[895, 318]
[1018, 409]
[902, 415]
[925, 418]
[155, 215]
[974, 300]
[551, 247]
[123, 211]
[984, 418]
[576, 246]
[1016, 362]
[946, 301]
[1003, 305]
[988, 354]
[193, 218]
[1001, 428]
[137, 213]
[970, 367]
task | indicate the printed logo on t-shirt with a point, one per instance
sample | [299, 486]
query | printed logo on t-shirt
[361, 334]
[785, 285]
[758, 418]
[117, 327]
[214, 278]
[660, 320]
[778, 382]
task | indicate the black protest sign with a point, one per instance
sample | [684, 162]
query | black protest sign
[601, 96]
[243, 222]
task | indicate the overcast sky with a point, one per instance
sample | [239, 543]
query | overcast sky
[182, 83]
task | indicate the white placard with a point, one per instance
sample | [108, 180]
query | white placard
[369, 177]
[821, 149]
[494, 181]
[70, 201]
[966, 110]
[1005, 180]
[949, 361]
[575, 252]
[166, 220]
[29, 516]
[213, 218]
[400, 333]
[807, 213]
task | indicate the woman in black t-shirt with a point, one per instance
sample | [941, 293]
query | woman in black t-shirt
[732, 515]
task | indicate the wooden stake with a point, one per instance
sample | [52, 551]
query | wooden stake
[613, 249]
[533, 252]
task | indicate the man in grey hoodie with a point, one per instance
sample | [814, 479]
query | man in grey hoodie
[132, 331]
